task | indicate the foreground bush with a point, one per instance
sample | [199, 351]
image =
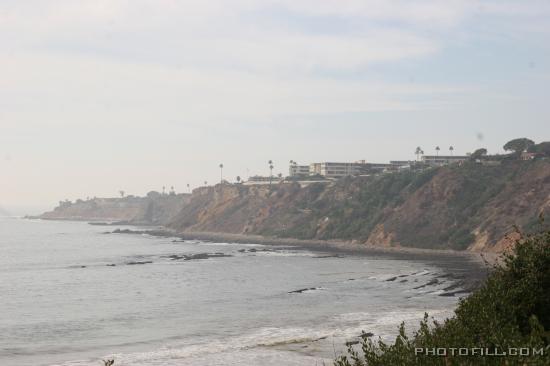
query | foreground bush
[510, 313]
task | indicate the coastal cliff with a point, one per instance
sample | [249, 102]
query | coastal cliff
[469, 207]
[153, 209]
[472, 207]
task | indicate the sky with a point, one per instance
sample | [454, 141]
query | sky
[108, 95]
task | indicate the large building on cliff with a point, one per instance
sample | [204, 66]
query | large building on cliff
[335, 170]
[440, 160]
[298, 170]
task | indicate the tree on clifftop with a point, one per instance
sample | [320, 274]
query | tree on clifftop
[542, 148]
[418, 152]
[478, 154]
[518, 145]
[270, 170]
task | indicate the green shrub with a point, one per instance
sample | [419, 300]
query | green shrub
[461, 239]
[511, 310]
[356, 217]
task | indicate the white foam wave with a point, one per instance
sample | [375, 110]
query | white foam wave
[384, 277]
[284, 254]
[424, 272]
[256, 348]
[271, 346]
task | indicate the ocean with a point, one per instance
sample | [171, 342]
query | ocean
[72, 294]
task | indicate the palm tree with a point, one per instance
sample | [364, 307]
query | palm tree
[188, 188]
[221, 173]
[417, 152]
[163, 189]
[205, 183]
[451, 149]
[238, 179]
[270, 171]
[293, 166]
[121, 193]
[437, 148]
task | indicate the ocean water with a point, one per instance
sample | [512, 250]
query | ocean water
[70, 294]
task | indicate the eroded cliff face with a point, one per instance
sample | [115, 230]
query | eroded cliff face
[236, 208]
[470, 207]
[155, 209]
[473, 207]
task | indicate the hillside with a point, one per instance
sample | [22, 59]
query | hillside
[155, 209]
[472, 207]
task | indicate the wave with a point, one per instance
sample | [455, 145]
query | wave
[257, 348]
[209, 243]
[272, 346]
[284, 253]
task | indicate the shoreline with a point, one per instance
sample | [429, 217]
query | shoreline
[468, 269]
[334, 245]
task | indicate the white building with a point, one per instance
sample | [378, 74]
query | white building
[297, 170]
[399, 163]
[440, 160]
[315, 169]
[339, 170]
[259, 180]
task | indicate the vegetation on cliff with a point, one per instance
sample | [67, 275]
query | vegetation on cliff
[509, 312]
[469, 206]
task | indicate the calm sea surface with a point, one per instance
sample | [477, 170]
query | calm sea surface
[71, 295]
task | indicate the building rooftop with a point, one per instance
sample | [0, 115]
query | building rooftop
[445, 157]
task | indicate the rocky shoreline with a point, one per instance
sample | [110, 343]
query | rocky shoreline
[468, 269]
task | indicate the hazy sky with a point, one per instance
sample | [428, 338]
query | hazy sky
[98, 96]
